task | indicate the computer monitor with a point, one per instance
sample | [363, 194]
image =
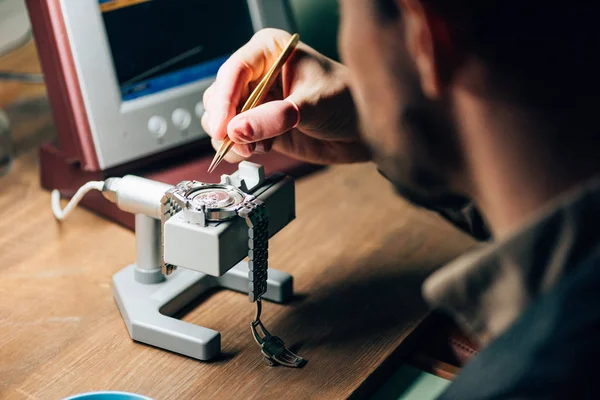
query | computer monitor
[126, 77]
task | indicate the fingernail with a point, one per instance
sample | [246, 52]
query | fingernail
[250, 148]
[260, 148]
[244, 150]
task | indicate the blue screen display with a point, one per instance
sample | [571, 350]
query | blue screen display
[172, 79]
[157, 45]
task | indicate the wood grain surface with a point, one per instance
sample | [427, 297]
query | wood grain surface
[358, 254]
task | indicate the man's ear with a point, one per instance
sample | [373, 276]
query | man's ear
[428, 42]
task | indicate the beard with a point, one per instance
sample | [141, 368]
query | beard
[424, 168]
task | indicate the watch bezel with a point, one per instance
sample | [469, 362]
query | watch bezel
[216, 214]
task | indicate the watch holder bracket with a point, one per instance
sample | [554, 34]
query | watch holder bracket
[149, 301]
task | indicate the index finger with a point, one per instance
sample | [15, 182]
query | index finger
[246, 65]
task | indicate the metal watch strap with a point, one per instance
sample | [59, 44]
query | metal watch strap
[168, 208]
[272, 347]
[257, 219]
[255, 214]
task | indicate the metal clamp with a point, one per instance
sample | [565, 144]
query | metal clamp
[272, 347]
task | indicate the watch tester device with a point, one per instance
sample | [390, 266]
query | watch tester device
[192, 237]
[125, 80]
[223, 222]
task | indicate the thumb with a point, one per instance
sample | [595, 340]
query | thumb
[264, 122]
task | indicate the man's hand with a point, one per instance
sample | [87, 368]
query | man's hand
[308, 114]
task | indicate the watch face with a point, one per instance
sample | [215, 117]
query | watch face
[216, 198]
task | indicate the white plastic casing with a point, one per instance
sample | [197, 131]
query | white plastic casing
[138, 195]
[217, 247]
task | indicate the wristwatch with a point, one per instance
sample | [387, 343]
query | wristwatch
[202, 203]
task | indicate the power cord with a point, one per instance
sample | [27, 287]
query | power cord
[62, 214]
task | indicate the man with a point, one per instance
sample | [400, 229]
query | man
[492, 101]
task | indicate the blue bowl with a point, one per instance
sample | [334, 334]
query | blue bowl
[108, 396]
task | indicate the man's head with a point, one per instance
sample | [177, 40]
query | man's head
[412, 59]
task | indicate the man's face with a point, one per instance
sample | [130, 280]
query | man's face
[411, 137]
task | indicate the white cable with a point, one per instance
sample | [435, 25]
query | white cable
[62, 214]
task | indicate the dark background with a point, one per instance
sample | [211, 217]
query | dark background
[148, 34]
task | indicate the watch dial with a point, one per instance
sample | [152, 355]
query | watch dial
[213, 198]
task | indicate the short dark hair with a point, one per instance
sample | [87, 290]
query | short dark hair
[539, 51]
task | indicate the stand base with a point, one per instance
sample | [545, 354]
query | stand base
[147, 309]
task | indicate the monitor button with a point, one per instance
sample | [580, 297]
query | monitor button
[199, 110]
[181, 119]
[157, 126]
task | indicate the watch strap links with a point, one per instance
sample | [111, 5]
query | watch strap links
[168, 208]
[257, 220]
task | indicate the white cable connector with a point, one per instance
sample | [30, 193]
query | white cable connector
[61, 214]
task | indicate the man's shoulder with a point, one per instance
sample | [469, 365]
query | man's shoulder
[552, 351]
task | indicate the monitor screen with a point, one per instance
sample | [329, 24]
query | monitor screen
[161, 44]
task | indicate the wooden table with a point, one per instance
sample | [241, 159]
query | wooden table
[358, 254]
